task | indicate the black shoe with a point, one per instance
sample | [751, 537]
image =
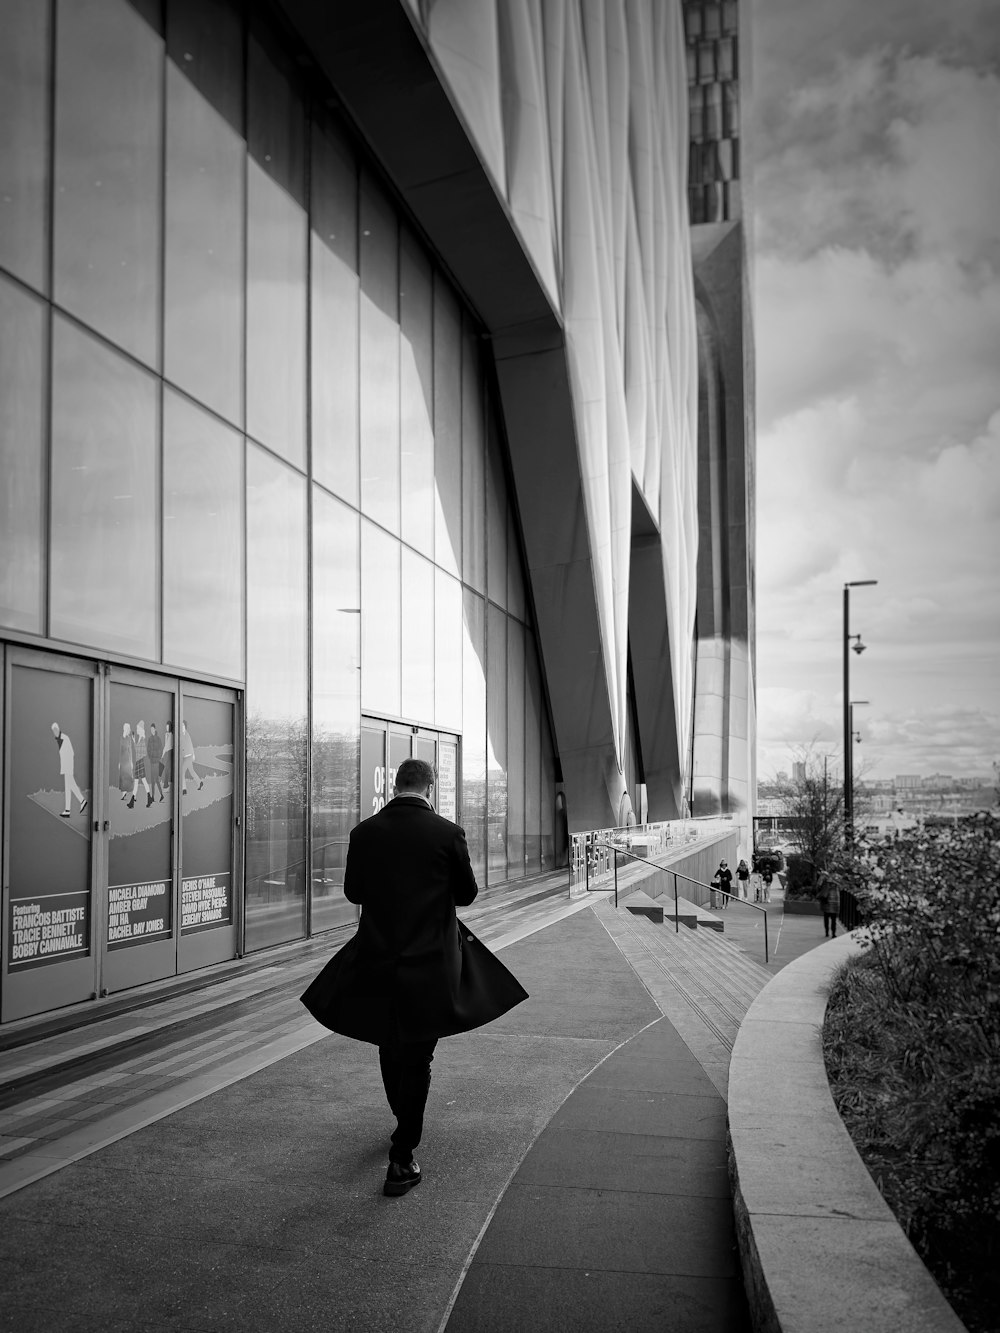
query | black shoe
[149, 801]
[130, 802]
[200, 785]
[83, 807]
[399, 1179]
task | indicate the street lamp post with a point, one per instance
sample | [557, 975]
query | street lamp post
[855, 740]
[859, 647]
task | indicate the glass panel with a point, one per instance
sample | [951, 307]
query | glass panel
[496, 515]
[202, 540]
[140, 847]
[334, 314]
[380, 630]
[379, 357]
[548, 800]
[496, 744]
[276, 260]
[109, 71]
[418, 637]
[426, 749]
[49, 791]
[447, 651]
[206, 750]
[276, 701]
[515, 749]
[373, 775]
[515, 579]
[336, 704]
[473, 466]
[473, 815]
[447, 428]
[416, 392]
[24, 104]
[533, 713]
[399, 749]
[203, 336]
[105, 497]
[22, 459]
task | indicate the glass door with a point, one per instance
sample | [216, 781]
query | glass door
[49, 920]
[202, 771]
[138, 824]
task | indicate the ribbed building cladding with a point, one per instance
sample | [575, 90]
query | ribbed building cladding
[366, 402]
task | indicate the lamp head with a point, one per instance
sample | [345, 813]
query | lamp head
[859, 647]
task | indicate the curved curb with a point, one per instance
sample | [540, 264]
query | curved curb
[819, 1247]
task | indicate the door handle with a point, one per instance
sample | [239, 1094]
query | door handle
[97, 825]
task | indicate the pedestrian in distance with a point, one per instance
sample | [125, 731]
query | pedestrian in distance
[829, 901]
[743, 879]
[723, 881]
[413, 973]
[756, 885]
[766, 879]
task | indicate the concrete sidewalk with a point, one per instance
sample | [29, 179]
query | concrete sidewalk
[259, 1206]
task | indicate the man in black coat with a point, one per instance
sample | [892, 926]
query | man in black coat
[410, 975]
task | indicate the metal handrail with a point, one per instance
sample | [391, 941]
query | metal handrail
[679, 874]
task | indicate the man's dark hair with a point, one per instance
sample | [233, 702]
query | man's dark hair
[414, 775]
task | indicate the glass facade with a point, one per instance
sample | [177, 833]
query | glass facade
[247, 434]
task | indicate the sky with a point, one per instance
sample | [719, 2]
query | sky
[874, 142]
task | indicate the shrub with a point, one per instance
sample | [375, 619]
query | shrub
[912, 1043]
[799, 877]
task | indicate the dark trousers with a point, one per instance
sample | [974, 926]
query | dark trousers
[829, 923]
[406, 1076]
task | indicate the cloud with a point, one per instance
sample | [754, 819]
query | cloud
[878, 347]
[890, 149]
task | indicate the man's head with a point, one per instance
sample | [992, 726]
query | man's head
[415, 776]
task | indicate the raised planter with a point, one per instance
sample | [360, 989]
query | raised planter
[802, 907]
[819, 1246]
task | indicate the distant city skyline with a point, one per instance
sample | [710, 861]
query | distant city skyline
[877, 311]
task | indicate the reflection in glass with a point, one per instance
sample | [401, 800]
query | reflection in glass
[202, 540]
[473, 817]
[336, 705]
[533, 715]
[447, 651]
[379, 357]
[203, 295]
[105, 492]
[22, 459]
[515, 749]
[109, 72]
[416, 393]
[24, 95]
[380, 629]
[276, 726]
[473, 466]
[496, 514]
[496, 744]
[418, 637]
[335, 288]
[276, 260]
[447, 428]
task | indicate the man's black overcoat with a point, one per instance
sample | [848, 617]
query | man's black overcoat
[403, 976]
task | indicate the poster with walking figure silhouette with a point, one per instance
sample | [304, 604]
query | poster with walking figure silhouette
[50, 771]
[140, 848]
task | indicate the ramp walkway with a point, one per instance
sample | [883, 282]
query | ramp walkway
[225, 1171]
